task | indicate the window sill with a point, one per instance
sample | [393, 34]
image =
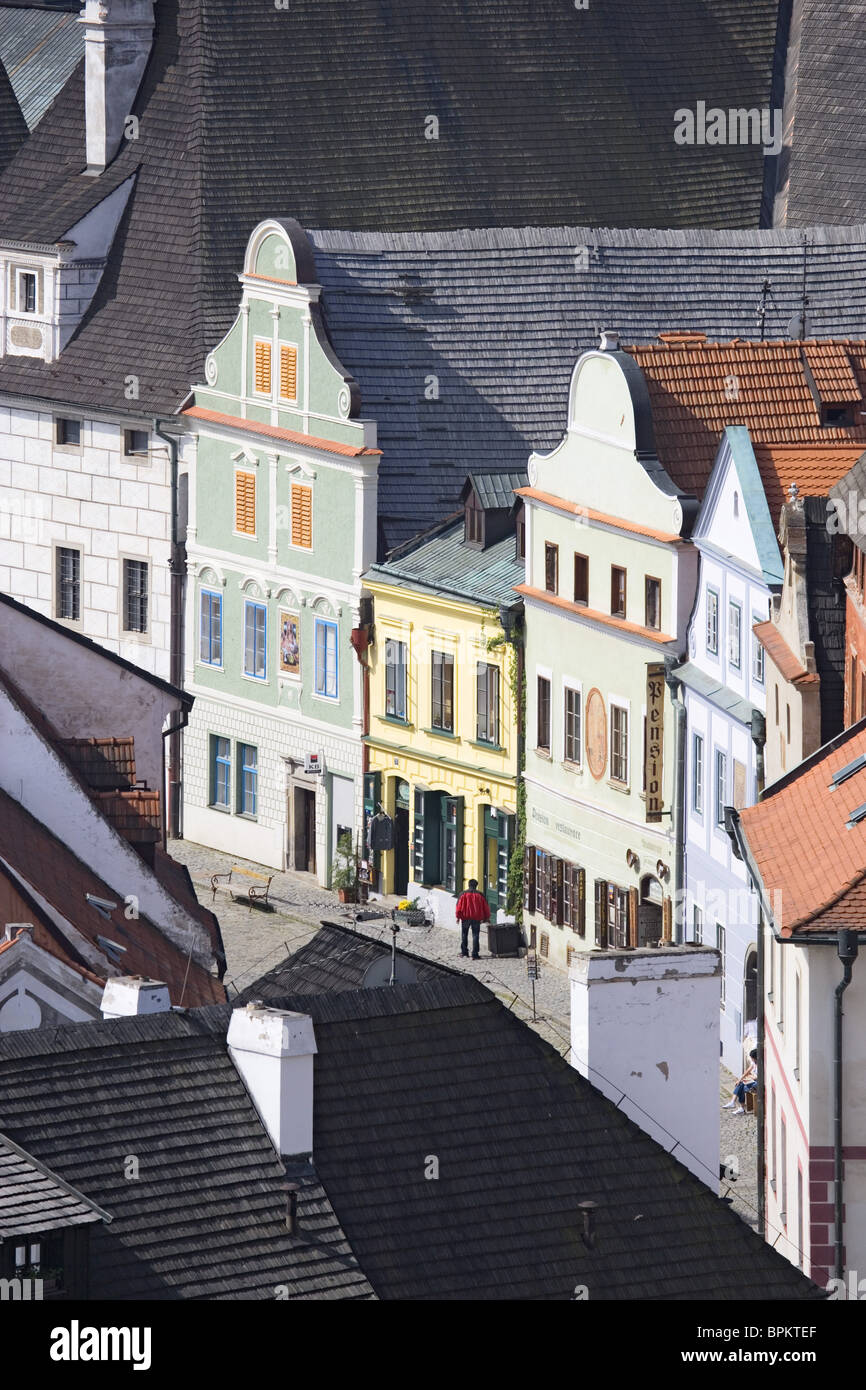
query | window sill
[569, 766]
[245, 815]
[616, 786]
[441, 733]
[128, 636]
[393, 719]
[245, 536]
[256, 680]
[488, 747]
[326, 699]
[210, 665]
[223, 810]
[67, 448]
[543, 753]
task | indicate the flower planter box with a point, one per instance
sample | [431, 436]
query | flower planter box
[414, 918]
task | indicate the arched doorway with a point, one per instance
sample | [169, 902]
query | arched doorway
[649, 913]
[750, 994]
[401, 836]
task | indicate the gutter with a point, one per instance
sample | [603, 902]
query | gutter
[173, 821]
[847, 948]
[678, 818]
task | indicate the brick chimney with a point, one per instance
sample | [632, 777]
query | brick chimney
[117, 40]
[128, 996]
[273, 1051]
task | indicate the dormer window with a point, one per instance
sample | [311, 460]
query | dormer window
[473, 528]
[840, 416]
[26, 296]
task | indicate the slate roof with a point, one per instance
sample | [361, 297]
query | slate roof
[802, 844]
[13, 127]
[826, 167]
[336, 959]
[39, 49]
[495, 491]
[499, 318]
[714, 691]
[697, 388]
[205, 1218]
[440, 1068]
[439, 562]
[33, 1199]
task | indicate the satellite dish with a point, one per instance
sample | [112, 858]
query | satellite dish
[798, 326]
[379, 973]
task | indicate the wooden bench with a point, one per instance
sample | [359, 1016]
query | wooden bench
[233, 884]
[751, 1103]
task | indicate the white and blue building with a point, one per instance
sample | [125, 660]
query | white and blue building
[723, 688]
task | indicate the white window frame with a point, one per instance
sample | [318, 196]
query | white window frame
[735, 610]
[251, 675]
[759, 662]
[698, 782]
[568, 683]
[58, 617]
[616, 703]
[281, 343]
[720, 785]
[36, 272]
[712, 650]
[266, 342]
[132, 634]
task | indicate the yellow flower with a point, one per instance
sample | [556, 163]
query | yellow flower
[404, 905]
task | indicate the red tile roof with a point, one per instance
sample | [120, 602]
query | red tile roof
[802, 844]
[103, 762]
[58, 876]
[814, 469]
[785, 661]
[593, 614]
[697, 388]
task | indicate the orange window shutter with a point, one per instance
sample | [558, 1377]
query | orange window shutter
[263, 367]
[288, 373]
[302, 516]
[245, 503]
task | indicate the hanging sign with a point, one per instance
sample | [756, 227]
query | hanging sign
[654, 747]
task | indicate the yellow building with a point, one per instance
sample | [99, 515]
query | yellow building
[442, 730]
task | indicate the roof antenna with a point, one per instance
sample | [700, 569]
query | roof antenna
[762, 312]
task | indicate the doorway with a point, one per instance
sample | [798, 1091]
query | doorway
[649, 913]
[304, 822]
[750, 994]
[401, 837]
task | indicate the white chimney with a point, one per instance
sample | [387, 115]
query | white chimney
[609, 340]
[645, 1024]
[128, 996]
[117, 40]
[273, 1051]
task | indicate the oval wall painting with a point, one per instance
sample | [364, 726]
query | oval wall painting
[596, 734]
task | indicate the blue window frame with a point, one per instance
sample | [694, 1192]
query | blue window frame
[211, 628]
[327, 675]
[221, 772]
[255, 640]
[248, 776]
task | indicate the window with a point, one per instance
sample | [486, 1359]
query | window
[442, 695]
[757, 654]
[221, 772]
[698, 774]
[801, 1257]
[788, 723]
[520, 550]
[720, 947]
[68, 584]
[619, 743]
[617, 591]
[581, 579]
[697, 925]
[395, 679]
[573, 911]
[617, 916]
[248, 776]
[573, 748]
[735, 635]
[798, 1053]
[288, 372]
[721, 785]
[452, 843]
[712, 622]
[327, 682]
[473, 521]
[542, 885]
[27, 284]
[135, 595]
[783, 1170]
[774, 1138]
[245, 503]
[302, 516]
[542, 740]
[263, 368]
[551, 568]
[653, 602]
[68, 433]
[135, 443]
[487, 703]
[255, 640]
[211, 628]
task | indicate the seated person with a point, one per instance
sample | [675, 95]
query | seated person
[747, 1082]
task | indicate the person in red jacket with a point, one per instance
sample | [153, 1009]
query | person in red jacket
[471, 911]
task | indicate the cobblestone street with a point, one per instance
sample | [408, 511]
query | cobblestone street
[257, 939]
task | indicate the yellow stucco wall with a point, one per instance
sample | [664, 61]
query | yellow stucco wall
[485, 776]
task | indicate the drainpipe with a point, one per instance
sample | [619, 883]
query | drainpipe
[511, 618]
[171, 732]
[177, 570]
[679, 791]
[759, 738]
[847, 948]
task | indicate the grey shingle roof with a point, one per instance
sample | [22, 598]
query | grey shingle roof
[336, 959]
[547, 115]
[39, 49]
[34, 1199]
[13, 128]
[495, 491]
[443, 564]
[440, 1068]
[827, 165]
[499, 317]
